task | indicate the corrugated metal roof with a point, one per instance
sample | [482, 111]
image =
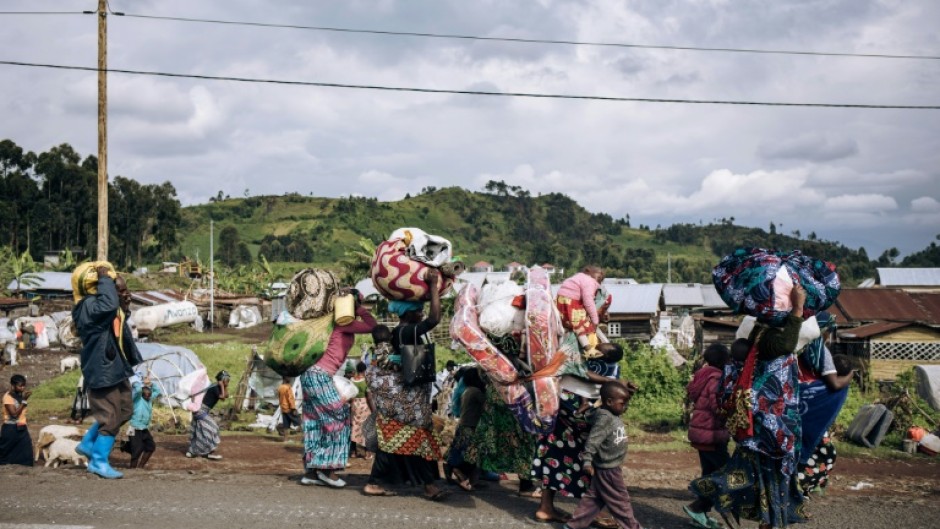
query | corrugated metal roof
[683, 295]
[711, 297]
[929, 302]
[48, 281]
[12, 303]
[634, 299]
[909, 277]
[879, 304]
[156, 297]
[874, 329]
[480, 278]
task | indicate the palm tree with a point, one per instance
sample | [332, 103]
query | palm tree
[24, 272]
[357, 262]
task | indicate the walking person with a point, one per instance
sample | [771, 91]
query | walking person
[290, 417]
[107, 358]
[326, 416]
[142, 443]
[604, 452]
[409, 448]
[707, 431]
[204, 431]
[759, 482]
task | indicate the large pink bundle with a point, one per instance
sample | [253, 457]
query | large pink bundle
[190, 389]
[465, 328]
[399, 277]
[542, 330]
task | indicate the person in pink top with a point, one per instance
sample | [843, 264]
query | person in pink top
[326, 417]
[579, 312]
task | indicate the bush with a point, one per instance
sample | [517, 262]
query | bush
[660, 401]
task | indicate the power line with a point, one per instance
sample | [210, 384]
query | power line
[471, 92]
[41, 13]
[531, 41]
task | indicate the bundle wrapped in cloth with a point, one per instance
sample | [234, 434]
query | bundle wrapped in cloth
[311, 292]
[758, 282]
[301, 335]
[401, 262]
[532, 399]
[85, 278]
[295, 346]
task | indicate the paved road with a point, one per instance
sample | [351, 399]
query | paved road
[36, 497]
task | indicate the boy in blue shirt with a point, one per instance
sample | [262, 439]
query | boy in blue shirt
[142, 444]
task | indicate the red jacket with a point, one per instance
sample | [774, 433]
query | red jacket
[706, 429]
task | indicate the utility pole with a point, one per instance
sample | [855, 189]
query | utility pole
[102, 130]
[211, 276]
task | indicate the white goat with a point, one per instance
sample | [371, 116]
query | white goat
[69, 362]
[49, 434]
[63, 451]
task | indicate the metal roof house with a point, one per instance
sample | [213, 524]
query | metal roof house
[910, 278]
[49, 285]
[634, 309]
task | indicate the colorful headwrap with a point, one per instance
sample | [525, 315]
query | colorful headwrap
[400, 307]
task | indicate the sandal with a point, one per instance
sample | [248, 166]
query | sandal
[440, 495]
[605, 522]
[462, 480]
[698, 519]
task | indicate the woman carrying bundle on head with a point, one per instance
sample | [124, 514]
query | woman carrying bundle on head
[409, 448]
[759, 481]
[326, 416]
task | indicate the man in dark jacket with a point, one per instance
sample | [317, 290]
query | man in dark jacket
[108, 354]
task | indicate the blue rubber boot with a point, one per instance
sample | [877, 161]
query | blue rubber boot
[99, 464]
[85, 447]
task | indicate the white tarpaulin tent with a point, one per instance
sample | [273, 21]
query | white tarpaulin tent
[928, 384]
[167, 365]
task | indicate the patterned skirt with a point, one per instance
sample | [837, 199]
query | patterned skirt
[203, 433]
[814, 476]
[401, 439]
[558, 465]
[752, 486]
[499, 444]
[574, 317]
[326, 422]
[360, 412]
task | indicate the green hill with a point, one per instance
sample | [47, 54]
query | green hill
[505, 225]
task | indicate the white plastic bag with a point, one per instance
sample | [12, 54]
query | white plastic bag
[423, 247]
[346, 389]
[498, 316]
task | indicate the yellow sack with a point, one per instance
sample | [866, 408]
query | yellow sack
[85, 278]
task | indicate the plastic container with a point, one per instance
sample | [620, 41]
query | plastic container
[344, 309]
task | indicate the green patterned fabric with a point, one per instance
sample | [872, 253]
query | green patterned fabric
[293, 348]
[499, 444]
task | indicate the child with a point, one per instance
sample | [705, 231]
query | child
[359, 409]
[288, 403]
[576, 303]
[16, 447]
[142, 445]
[608, 363]
[383, 356]
[707, 431]
[603, 456]
[471, 408]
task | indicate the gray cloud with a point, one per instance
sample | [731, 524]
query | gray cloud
[811, 169]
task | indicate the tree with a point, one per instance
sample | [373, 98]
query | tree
[229, 252]
[773, 228]
[23, 269]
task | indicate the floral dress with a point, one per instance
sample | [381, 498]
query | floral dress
[558, 465]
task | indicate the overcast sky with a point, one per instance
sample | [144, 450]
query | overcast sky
[864, 177]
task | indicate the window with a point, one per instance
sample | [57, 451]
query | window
[613, 329]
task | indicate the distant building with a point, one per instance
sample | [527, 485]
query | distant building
[912, 279]
[481, 266]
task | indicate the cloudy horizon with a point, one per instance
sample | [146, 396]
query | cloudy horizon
[865, 177]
